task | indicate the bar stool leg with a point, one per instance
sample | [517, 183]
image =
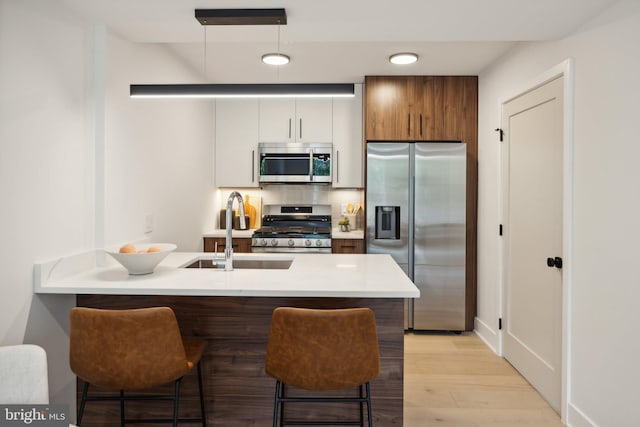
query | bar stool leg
[361, 406]
[176, 400]
[276, 405]
[369, 405]
[202, 408]
[282, 392]
[121, 408]
[83, 401]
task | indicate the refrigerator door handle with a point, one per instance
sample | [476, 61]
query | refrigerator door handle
[412, 209]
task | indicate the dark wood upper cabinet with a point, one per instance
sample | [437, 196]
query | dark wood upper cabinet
[420, 108]
[389, 107]
[449, 106]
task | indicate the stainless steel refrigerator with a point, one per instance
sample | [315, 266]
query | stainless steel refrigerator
[416, 212]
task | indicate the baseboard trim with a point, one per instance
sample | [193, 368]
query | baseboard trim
[488, 335]
[577, 418]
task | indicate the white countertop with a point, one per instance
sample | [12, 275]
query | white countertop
[335, 233]
[310, 275]
[234, 233]
[351, 234]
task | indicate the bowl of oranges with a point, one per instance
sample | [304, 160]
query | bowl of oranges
[141, 258]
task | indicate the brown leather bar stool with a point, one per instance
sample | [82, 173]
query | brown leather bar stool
[132, 350]
[322, 350]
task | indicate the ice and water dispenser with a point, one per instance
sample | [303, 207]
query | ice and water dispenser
[388, 222]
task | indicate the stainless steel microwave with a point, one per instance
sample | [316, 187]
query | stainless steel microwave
[295, 162]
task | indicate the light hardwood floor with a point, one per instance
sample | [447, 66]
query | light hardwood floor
[456, 380]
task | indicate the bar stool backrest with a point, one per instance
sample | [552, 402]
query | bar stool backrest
[126, 349]
[323, 349]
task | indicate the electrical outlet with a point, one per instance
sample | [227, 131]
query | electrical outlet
[148, 223]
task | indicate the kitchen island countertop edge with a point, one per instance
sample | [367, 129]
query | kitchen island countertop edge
[310, 275]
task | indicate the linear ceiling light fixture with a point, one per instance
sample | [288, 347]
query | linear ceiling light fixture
[403, 58]
[257, 90]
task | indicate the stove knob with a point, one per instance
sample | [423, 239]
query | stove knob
[274, 242]
[307, 242]
[291, 242]
[263, 242]
[318, 242]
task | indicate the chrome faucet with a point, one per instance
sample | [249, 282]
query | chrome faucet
[228, 250]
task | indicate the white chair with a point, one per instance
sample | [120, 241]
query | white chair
[23, 375]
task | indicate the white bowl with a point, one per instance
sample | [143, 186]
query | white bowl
[142, 262]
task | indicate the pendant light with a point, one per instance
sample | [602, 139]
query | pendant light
[257, 90]
[276, 58]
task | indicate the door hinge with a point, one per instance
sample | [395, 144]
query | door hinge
[500, 231]
[500, 323]
[501, 133]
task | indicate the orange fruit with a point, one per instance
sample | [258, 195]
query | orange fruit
[154, 249]
[128, 249]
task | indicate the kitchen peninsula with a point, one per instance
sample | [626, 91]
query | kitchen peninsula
[232, 311]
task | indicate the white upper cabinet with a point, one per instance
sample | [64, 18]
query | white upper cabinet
[277, 120]
[296, 120]
[236, 143]
[314, 120]
[348, 151]
[241, 123]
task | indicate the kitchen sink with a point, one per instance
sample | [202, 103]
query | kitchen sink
[268, 264]
[239, 264]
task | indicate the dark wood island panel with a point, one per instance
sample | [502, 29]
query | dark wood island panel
[237, 391]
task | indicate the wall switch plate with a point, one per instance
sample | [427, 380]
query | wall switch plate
[148, 223]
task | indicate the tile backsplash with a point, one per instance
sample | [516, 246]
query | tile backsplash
[298, 194]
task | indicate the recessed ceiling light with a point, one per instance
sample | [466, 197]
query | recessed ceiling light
[275, 59]
[403, 58]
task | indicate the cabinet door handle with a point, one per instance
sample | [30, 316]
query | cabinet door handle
[300, 129]
[253, 165]
[289, 128]
[420, 124]
[337, 166]
[409, 124]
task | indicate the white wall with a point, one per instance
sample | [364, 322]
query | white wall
[603, 369]
[158, 153]
[45, 175]
[56, 110]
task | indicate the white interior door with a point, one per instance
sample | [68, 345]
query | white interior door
[533, 185]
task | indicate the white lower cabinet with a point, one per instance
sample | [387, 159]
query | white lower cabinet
[236, 143]
[348, 150]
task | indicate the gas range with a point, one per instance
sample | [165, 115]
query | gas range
[294, 228]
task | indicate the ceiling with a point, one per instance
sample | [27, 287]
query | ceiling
[341, 40]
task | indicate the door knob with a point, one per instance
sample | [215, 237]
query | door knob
[554, 262]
